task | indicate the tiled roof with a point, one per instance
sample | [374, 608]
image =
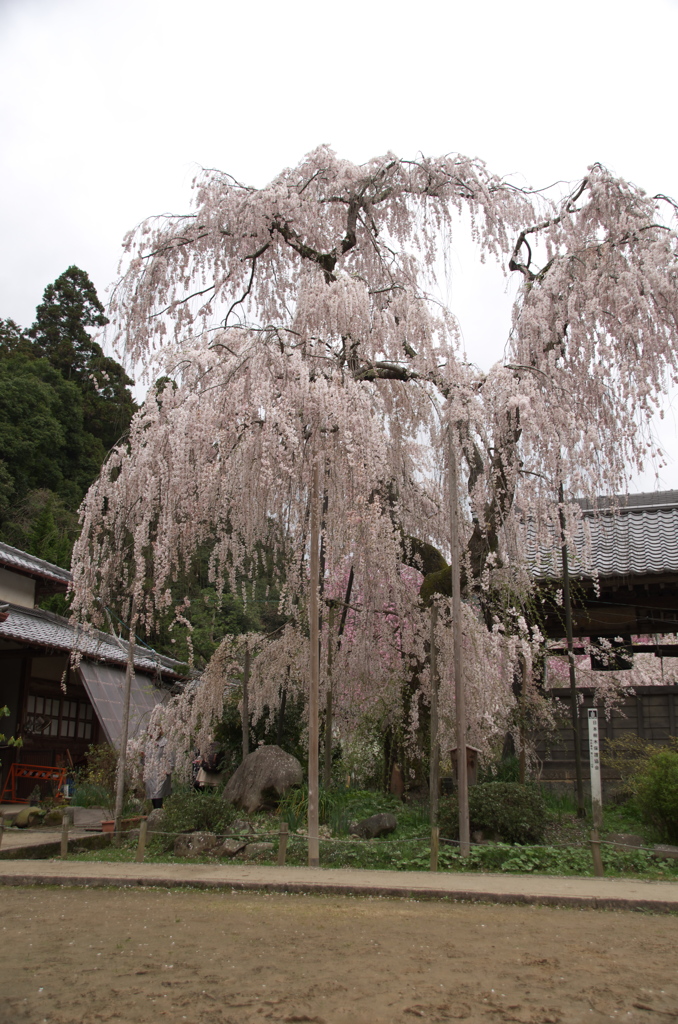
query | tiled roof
[29, 565]
[44, 629]
[635, 535]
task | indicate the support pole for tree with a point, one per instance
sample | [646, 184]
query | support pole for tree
[122, 758]
[313, 698]
[523, 731]
[434, 770]
[246, 705]
[459, 692]
[435, 740]
[328, 700]
[567, 601]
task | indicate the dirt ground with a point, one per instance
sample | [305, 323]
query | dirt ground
[153, 956]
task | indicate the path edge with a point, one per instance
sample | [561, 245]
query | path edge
[333, 889]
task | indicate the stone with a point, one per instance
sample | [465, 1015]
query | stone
[375, 826]
[28, 817]
[624, 842]
[262, 778]
[154, 821]
[89, 817]
[55, 817]
[253, 850]
[666, 852]
[194, 844]
[229, 848]
[240, 827]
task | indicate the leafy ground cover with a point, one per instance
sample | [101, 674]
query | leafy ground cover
[565, 850]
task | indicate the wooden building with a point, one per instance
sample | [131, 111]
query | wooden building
[57, 710]
[624, 575]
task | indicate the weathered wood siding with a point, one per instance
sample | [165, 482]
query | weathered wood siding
[650, 713]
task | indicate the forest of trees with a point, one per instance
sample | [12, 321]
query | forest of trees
[63, 405]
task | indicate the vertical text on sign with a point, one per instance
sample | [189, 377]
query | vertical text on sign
[594, 762]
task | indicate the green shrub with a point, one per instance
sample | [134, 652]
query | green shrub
[190, 810]
[506, 769]
[516, 813]
[656, 792]
[88, 794]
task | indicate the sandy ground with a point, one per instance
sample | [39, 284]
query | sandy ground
[133, 956]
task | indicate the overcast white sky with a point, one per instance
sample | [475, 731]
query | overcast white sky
[108, 108]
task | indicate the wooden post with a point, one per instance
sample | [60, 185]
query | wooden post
[434, 770]
[64, 835]
[314, 666]
[141, 845]
[282, 843]
[459, 692]
[595, 850]
[246, 706]
[434, 847]
[122, 756]
[567, 601]
[2, 825]
[328, 700]
[523, 693]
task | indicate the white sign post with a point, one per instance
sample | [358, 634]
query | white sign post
[594, 761]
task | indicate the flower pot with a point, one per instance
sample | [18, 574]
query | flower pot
[125, 824]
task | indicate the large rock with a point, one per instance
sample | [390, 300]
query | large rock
[624, 842]
[229, 848]
[666, 852]
[194, 844]
[377, 825]
[262, 778]
[254, 850]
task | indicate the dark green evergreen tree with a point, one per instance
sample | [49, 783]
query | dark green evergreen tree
[70, 308]
[63, 404]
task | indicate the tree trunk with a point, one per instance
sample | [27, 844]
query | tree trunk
[281, 713]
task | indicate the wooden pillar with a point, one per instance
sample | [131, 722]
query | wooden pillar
[328, 700]
[522, 760]
[246, 705]
[567, 601]
[122, 757]
[314, 673]
[459, 691]
[434, 772]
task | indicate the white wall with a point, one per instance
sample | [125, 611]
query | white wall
[17, 589]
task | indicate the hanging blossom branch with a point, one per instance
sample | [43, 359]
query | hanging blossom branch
[341, 358]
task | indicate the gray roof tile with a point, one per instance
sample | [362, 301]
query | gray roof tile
[44, 629]
[21, 561]
[629, 536]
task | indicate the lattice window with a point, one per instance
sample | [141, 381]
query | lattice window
[52, 716]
